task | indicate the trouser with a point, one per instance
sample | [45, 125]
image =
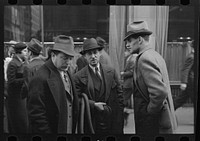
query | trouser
[183, 97]
[147, 125]
[127, 92]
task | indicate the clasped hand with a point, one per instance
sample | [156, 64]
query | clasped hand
[99, 105]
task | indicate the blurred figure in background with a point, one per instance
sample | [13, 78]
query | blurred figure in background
[17, 112]
[7, 60]
[35, 62]
[104, 58]
[11, 53]
[81, 62]
[127, 76]
[187, 80]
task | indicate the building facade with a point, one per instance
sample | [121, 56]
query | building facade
[21, 23]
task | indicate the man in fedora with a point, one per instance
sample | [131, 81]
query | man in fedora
[35, 62]
[101, 85]
[152, 88]
[52, 103]
[104, 58]
[16, 104]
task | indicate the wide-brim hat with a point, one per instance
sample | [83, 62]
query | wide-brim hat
[137, 28]
[19, 46]
[64, 44]
[90, 44]
[35, 46]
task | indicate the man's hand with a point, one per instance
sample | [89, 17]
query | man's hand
[183, 86]
[121, 73]
[99, 105]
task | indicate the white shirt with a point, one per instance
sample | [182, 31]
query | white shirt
[93, 68]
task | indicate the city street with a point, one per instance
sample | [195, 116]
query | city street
[185, 117]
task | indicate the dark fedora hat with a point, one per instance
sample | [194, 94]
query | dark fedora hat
[35, 46]
[100, 41]
[19, 46]
[64, 44]
[137, 28]
[90, 44]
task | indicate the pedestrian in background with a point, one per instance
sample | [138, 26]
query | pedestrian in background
[101, 85]
[81, 62]
[187, 80]
[53, 103]
[151, 83]
[104, 58]
[17, 112]
[35, 62]
[127, 76]
[7, 60]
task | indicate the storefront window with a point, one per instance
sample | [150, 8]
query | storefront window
[80, 22]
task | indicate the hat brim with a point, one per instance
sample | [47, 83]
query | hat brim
[137, 34]
[84, 51]
[69, 53]
[62, 48]
[31, 49]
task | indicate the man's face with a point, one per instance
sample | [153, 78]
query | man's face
[61, 61]
[132, 45]
[93, 57]
[25, 53]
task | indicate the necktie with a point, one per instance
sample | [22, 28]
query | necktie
[66, 82]
[97, 72]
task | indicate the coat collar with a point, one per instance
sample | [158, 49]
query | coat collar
[145, 48]
[18, 62]
[55, 82]
[35, 58]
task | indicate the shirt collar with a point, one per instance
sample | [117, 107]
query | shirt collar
[93, 68]
[19, 58]
[34, 58]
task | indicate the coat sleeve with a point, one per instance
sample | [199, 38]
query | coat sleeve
[157, 89]
[36, 107]
[186, 68]
[11, 75]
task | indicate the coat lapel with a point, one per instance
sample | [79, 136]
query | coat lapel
[55, 83]
[87, 81]
[108, 81]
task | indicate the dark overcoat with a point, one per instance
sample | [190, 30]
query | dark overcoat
[187, 75]
[113, 95]
[29, 72]
[17, 113]
[47, 101]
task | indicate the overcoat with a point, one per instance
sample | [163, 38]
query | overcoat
[47, 101]
[113, 95]
[29, 72]
[17, 113]
[152, 78]
[187, 77]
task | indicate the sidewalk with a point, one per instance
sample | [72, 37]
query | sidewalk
[185, 118]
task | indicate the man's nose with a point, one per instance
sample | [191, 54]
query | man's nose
[127, 45]
[92, 55]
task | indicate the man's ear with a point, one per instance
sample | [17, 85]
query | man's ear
[140, 40]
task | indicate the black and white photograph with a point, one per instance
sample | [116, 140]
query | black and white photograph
[100, 69]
